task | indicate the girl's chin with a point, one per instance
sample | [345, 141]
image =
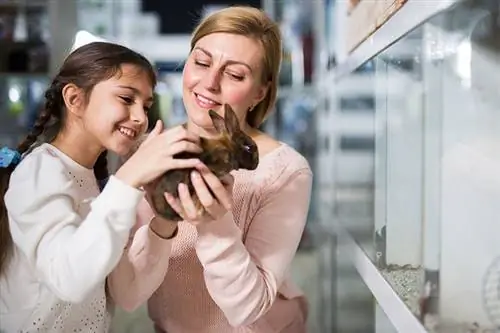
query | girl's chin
[123, 150]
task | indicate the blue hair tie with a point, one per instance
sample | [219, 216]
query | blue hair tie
[9, 157]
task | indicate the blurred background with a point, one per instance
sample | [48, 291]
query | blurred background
[396, 105]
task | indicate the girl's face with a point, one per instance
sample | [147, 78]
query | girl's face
[222, 69]
[116, 113]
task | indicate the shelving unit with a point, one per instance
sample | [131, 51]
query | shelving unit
[416, 216]
[35, 36]
[412, 14]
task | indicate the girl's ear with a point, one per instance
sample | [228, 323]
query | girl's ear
[73, 99]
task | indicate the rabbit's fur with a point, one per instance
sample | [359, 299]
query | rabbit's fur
[232, 150]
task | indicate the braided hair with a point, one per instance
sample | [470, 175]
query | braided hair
[85, 67]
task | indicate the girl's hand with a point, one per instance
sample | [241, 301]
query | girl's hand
[155, 155]
[205, 183]
[146, 214]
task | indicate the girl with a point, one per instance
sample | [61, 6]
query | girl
[60, 237]
[228, 272]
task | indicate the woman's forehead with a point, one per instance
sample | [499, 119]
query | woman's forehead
[231, 47]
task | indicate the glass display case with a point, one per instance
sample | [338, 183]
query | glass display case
[418, 191]
[34, 38]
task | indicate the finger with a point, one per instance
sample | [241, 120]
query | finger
[175, 204]
[155, 131]
[218, 189]
[179, 133]
[227, 181]
[181, 147]
[206, 198]
[180, 163]
[187, 202]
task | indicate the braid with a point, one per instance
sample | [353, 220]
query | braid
[52, 109]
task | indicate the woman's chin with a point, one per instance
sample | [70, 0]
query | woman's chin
[202, 121]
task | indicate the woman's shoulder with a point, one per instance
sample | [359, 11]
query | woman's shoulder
[279, 166]
[284, 158]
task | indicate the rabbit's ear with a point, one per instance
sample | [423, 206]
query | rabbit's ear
[218, 121]
[232, 124]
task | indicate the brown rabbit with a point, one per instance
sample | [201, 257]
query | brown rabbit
[232, 150]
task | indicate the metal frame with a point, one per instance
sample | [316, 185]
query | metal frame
[410, 16]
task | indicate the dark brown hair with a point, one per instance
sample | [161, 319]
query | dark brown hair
[85, 67]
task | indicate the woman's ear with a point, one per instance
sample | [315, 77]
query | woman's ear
[73, 98]
[261, 93]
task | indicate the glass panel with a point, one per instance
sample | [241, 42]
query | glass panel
[354, 149]
[398, 166]
[463, 56]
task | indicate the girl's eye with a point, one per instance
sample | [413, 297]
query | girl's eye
[127, 100]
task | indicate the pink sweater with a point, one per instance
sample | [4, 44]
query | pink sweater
[231, 275]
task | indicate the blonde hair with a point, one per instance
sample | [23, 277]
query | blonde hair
[253, 23]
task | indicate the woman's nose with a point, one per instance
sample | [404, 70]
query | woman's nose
[211, 81]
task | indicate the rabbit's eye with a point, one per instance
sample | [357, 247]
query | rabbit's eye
[247, 148]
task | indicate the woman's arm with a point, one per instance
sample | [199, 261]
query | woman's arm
[144, 264]
[243, 279]
[71, 254]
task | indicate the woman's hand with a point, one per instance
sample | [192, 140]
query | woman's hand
[205, 183]
[155, 155]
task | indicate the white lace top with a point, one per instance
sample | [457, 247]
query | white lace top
[67, 240]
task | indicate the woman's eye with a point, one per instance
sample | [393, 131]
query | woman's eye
[236, 77]
[202, 64]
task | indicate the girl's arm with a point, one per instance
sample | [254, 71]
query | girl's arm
[243, 279]
[71, 255]
[144, 264]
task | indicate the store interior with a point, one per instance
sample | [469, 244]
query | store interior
[394, 103]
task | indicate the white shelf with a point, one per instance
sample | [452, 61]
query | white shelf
[400, 316]
[410, 16]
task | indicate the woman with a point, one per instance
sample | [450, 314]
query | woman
[230, 274]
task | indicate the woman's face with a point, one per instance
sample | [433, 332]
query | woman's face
[222, 69]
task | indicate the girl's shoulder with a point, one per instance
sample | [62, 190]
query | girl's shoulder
[46, 166]
[40, 160]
